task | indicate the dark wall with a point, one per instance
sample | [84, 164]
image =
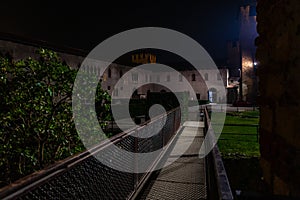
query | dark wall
[278, 53]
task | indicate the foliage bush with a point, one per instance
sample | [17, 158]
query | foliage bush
[36, 122]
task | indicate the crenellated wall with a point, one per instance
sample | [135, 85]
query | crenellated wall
[278, 53]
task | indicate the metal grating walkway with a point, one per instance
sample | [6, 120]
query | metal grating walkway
[184, 178]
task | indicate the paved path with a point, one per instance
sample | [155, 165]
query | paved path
[184, 178]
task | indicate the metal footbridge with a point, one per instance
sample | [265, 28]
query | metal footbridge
[185, 175]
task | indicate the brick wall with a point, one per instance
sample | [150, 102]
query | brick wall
[278, 53]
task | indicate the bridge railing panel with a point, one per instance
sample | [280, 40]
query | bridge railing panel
[84, 177]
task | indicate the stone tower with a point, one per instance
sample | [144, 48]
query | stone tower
[233, 62]
[247, 35]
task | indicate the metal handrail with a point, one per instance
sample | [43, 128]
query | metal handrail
[41, 177]
[220, 181]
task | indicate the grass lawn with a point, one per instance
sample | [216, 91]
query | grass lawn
[232, 143]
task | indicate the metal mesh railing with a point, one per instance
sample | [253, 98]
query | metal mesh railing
[84, 177]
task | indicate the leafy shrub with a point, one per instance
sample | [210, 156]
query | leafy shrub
[36, 122]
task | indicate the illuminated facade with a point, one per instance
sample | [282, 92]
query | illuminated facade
[130, 81]
[74, 58]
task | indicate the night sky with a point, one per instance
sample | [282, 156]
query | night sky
[84, 24]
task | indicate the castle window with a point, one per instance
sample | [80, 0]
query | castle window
[206, 76]
[121, 73]
[180, 78]
[168, 78]
[193, 77]
[109, 73]
[108, 87]
[134, 77]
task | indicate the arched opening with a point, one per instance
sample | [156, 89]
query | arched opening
[212, 95]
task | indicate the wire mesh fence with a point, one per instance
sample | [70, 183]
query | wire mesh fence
[85, 177]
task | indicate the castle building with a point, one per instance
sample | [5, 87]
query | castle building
[138, 84]
[131, 82]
